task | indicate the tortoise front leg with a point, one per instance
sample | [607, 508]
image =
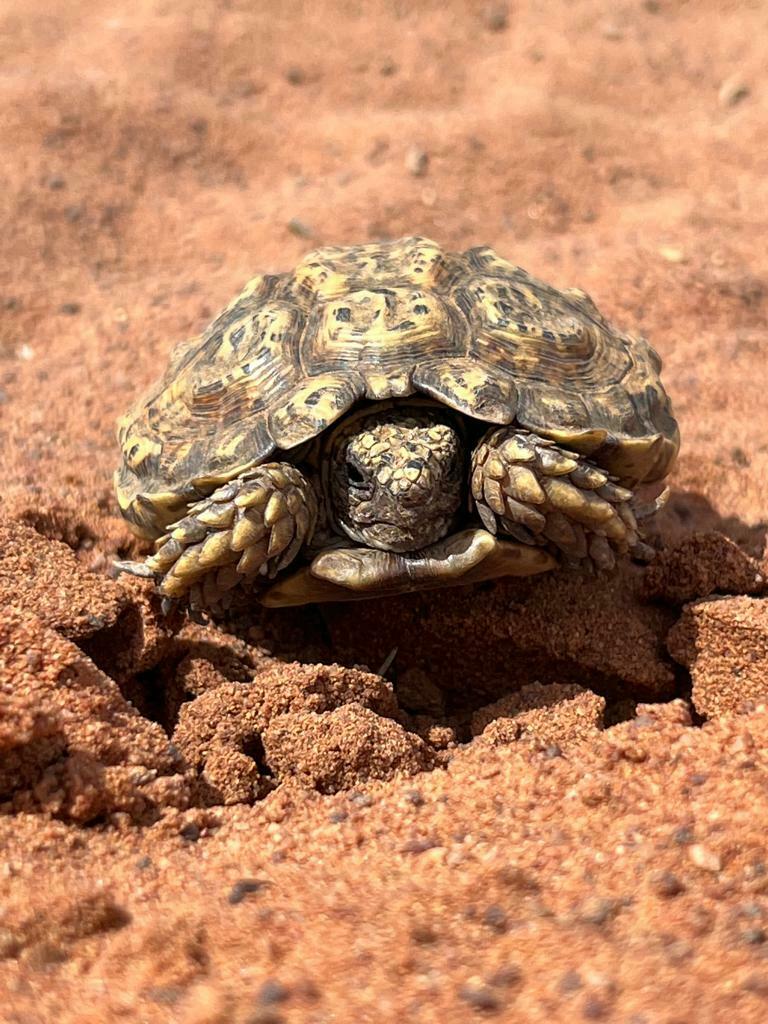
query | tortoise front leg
[251, 527]
[528, 487]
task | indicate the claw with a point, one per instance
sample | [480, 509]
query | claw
[647, 509]
[135, 569]
[387, 663]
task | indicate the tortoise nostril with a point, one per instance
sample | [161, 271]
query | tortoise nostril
[354, 475]
[357, 477]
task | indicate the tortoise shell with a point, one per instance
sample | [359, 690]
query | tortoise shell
[293, 352]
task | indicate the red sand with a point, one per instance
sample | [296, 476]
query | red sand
[554, 808]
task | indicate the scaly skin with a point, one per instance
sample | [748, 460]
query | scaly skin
[538, 493]
[247, 530]
[394, 481]
[396, 478]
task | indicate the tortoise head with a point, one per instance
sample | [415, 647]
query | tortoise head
[397, 478]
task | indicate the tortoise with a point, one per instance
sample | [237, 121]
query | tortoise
[392, 417]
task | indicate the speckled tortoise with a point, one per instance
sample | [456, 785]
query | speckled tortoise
[392, 417]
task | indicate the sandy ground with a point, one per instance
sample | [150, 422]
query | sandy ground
[554, 808]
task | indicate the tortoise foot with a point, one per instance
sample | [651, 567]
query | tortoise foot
[539, 493]
[245, 532]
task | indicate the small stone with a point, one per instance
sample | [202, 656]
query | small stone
[190, 832]
[480, 997]
[495, 918]
[299, 228]
[739, 456]
[243, 887]
[594, 1009]
[516, 878]
[272, 992]
[70, 308]
[295, 76]
[732, 91]
[683, 835]
[593, 791]
[423, 934]
[666, 884]
[337, 816]
[419, 845]
[599, 911]
[417, 162]
[496, 17]
[672, 254]
[754, 936]
[360, 799]
[705, 858]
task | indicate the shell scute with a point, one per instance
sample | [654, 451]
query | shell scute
[383, 333]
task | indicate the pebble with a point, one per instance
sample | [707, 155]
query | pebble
[480, 997]
[243, 887]
[666, 884]
[190, 832]
[299, 228]
[672, 254]
[496, 17]
[732, 91]
[507, 976]
[495, 918]
[417, 162]
[705, 858]
[272, 992]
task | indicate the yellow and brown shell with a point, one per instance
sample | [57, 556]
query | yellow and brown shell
[293, 352]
